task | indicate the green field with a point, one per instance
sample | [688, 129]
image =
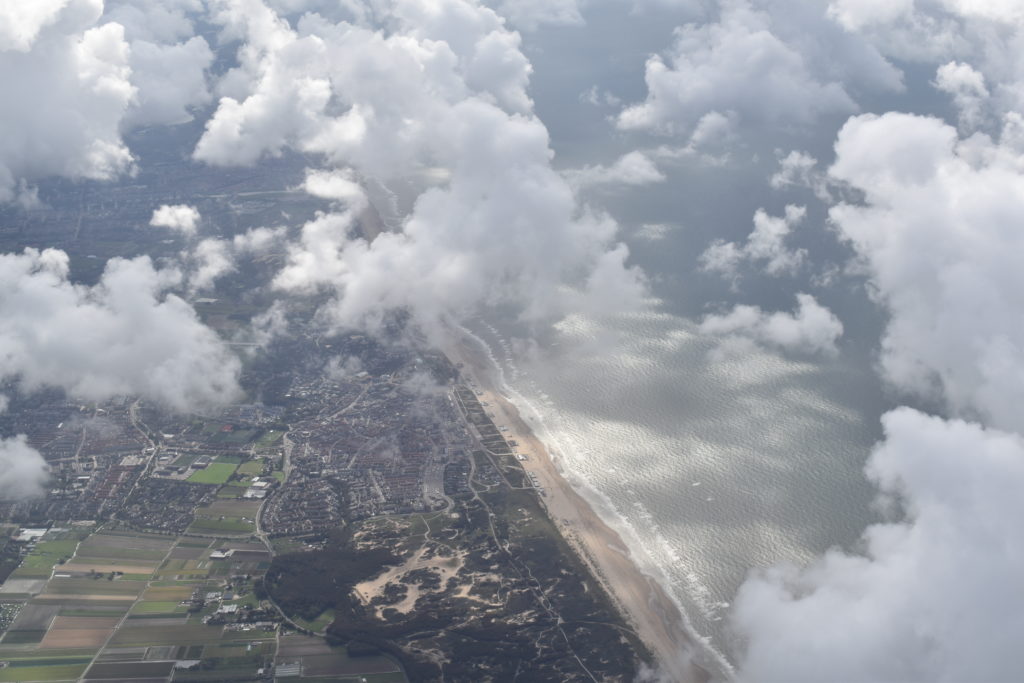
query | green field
[44, 556]
[25, 637]
[233, 525]
[269, 438]
[318, 624]
[251, 467]
[215, 473]
[157, 607]
[42, 673]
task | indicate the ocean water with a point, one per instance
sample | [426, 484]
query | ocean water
[712, 462]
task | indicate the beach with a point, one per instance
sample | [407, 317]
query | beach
[644, 604]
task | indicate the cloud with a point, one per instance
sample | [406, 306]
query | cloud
[104, 73]
[923, 598]
[23, 471]
[70, 127]
[931, 597]
[764, 246]
[338, 185]
[856, 14]
[124, 336]
[179, 217]
[634, 168]
[211, 259]
[439, 95]
[984, 34]
[939, 233]
[800, 169]
[654, 232]
[967, 88]
[529, 14]
[170, 81]
[259, 240]
[737, 66]
[811, 329]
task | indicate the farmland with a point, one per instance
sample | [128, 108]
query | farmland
[185, 599]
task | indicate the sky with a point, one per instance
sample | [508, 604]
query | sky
[846, 177]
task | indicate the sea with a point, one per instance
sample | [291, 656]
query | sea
[711, 462]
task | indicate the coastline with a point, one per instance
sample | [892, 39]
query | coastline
[641, 600]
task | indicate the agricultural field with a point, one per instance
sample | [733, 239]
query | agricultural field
[315, 659]
[185, 599]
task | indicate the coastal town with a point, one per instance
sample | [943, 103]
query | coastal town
[178, 547]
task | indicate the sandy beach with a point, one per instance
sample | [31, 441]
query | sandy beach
[641, 600]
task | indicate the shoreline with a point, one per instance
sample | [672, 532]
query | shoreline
[639, 597]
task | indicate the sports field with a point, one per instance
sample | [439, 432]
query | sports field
[214, 473]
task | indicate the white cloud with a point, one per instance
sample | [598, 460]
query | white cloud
[23, 471]
[337, 185]
[633, 168]
[178, 217]
[83, 76]
[124, 336]
[170, 81]
[443, 89]
[71, 125]
[765, 246]
[931, 598]
[811, 329]
[925, 598]
[939, 234]
[211, 259]
[259, 240]
[738, 65]
[967, 88]
[21, 22]
[800, 169]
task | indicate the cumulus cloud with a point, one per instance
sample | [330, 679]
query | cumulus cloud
[811, 329]
[259, 240]
[440, 93]
[939, 233]
[338, 185]
[104, 70]
[178, 217]
[634, 168]
[739, 66]
[213, 258]
[765, 246]
[931, 597]
[800, 169]
[124, 336]
[170, 81]
[924, 598]
[967, 88]
[70, 127]
[23, 471]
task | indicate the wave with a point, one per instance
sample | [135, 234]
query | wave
[559, 449]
